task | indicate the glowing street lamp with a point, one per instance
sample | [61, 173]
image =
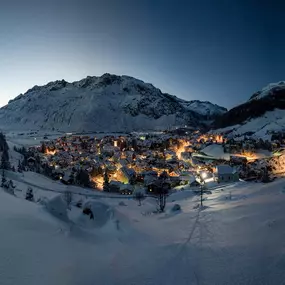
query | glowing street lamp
[204, 175]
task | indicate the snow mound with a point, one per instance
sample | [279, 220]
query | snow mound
[57, 207]
[176, 208]
[102, 213]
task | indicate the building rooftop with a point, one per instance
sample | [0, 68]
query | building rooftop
[224, 169]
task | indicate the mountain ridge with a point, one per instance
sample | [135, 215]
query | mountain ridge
[125, 102]
[264, 110]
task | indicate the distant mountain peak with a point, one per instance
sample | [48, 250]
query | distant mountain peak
[263, 112]
[270, 89]
[105, 103]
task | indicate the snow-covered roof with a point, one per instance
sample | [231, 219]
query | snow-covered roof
[224, 169]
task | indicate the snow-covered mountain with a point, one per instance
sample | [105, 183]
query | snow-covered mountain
[205, 108]
[262, 113]
[269, 90]
[106, 103]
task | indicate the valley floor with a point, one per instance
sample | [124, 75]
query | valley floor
[237, 238]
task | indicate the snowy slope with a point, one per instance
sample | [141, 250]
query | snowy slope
[106, 103]
[260, 127]
[204, 108]
[232, 241]
[268, 90]
[262, 113]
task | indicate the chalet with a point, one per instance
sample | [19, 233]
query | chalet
[129, 174]
[31, 161]
[225, 173]
[67, 178]
[127, 189]
[149, 177]
[157, 185]
[115, 186]
[176, 181]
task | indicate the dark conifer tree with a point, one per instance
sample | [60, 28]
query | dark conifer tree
[30, 194]
[106, 185]
[3, 180]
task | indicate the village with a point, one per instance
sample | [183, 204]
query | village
[181, 157]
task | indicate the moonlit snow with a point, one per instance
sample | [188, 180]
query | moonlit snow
[234, 239]
[109, 103]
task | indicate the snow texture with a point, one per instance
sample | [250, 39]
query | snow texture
[236, 238]
[106, 103]
[261, 126]
[268, 90]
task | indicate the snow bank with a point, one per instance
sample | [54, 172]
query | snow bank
[58, 208]
[236, 239]
[102, 213]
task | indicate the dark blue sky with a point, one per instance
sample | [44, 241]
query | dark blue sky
[216, 50]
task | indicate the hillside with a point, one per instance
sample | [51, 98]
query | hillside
[263, 112]
[106, 103]
[136, 246]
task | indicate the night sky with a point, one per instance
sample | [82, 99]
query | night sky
[216, 50]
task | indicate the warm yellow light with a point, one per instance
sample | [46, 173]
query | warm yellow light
[181, 149]
[50, 152]
[204, 175]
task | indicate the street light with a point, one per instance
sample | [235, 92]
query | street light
[204, 175]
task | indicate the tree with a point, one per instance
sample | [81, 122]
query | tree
[9, 187]
[265, 176]
[71, 178]
[3, 143]
[4, 180]
[30, 194]
[202, 189]
[47, 170]
[43, 148]
[106, 183]
[201, 193]
[162, 194]
[161, 189]
[23, 151]
[5, 164]
[139, 196]
[84, 145]
[83, 178]
[19, 167]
